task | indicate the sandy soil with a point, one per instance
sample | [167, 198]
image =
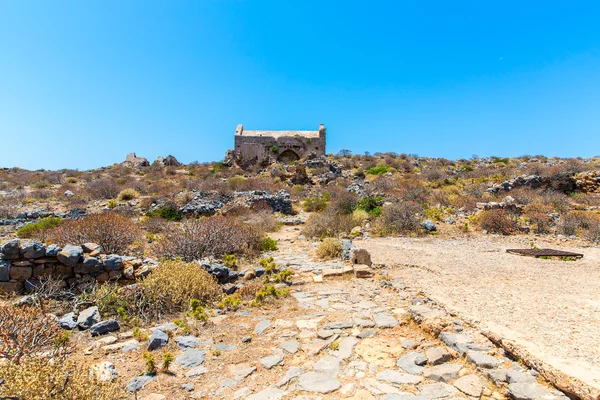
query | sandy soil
[550, 306]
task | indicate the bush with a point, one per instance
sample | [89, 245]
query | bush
[128, 194]
[329, 249]
[114, 232]
[399, 218]
[343, 203]
[538, 215]
[102, 189]
[268, 244]
[174, 284]
[327, 224]
[497, 221]
[213, 236]
[168, 211]
[378, 170]
[371, 204]
[313, 204]
[38, 230]
[579, 222]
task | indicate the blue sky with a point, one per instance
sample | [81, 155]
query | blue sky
[83, 83]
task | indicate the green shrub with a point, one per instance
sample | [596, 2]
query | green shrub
[150, 363]
[231, 302]
[230, 260]
[371, 204]
[268, 244]
[39, 228]
[275, 149]
[266, 292]
[167, 360]
[197, 311]
[168, 211]
[313, 204]
[378, 170]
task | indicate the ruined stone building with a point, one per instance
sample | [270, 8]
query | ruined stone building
[264, 147]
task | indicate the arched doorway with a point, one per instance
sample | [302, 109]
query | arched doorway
[287, 157]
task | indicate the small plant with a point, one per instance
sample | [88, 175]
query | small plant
[231, 302]
[329, 249]
[139, 334]
[230, 261]
[274, 149]
[169, 212]
[466, 227]
[112, 204]
[283, 276]
[216, 352]
[378, 170]
[197, 311]
[62, 339]
[39, 228]
[313, 204]
[150, 363]
[182, 325]
[122, 313]
[497, 221]
[335, 345]
[268, 244]
[268, 291]
[371, 204]
[167, 360]
[128, 194]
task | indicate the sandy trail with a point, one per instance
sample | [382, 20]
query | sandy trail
[551, 307]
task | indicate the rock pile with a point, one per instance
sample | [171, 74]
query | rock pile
[24, 264]
[208, 203]
[588, 181]
[532, 181]
[134, 161]
[168, 161]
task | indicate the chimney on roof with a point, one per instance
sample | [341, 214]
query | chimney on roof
[322, 131]
[239, 130]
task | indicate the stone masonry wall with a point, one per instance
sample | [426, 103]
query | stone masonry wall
[24, 263]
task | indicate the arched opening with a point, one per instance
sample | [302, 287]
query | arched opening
[288, 156]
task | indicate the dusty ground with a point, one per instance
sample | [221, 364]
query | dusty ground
[551, 307]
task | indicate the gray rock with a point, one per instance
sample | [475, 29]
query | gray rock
[90, 265]
[482, 360]
[339, 325]
[53, 250]
[429, 225]
[196, 372]
[262, 326]
[139, 382]
[470, 385]
[516, 376]
[291, 346]
[70, 255]
[33, 250]
[267, 394]
[104, 327]
[4, 271]
[398, 378]
[443, 373]
[437, 355]
[409, 344]
[412, 362]
[396, 396]
[10, 250]
[346, 247]
[191, 358]
[528, 391]
[385, 320]
[270, 361]
[459, 342]
[498, 376]
[291, 374]
[113, 262]
[157, 340]
[367, 333]
[223, 347]
[187, 387]
[318, 382]
[329, 365]
[188, 341]
[88, 317]
[68, 321]
[437, 391]
[360, 256]
[346, 346]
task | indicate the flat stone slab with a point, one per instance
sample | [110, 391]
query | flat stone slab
[443, 373]
[482, 360]
[385, 320]
[470, 385]
[138, 383]
[262, 326]
[398, 378]
[318, 382]
[329, 365]
[291, 374]
[412, 362]
[267, 394]
[291, 346]
[437, 391]
[270, 361]
[191, 358]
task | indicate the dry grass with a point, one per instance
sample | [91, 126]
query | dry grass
[329, 249]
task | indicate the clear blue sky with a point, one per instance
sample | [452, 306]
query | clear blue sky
[83, 83]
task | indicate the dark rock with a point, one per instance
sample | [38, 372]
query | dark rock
[138, 383]
[157, 340]
[53, 250]
[91, 265]
[113, 262]
[33, 250]
[429, 226]
[68, 321]
[88, 317]
[104, 327]
[70, 255]
[10, 250]
[4, 271]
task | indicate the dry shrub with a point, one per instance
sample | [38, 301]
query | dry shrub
[29, 332]
[560, 202]
[328, 223]
[102, 189]
[538, 215]
[248, 291]
[128, 194]
[329, 249]
[173, 284]
[9, 206]
[212, 236]
[497, 221]
[155, 224]
[343, 202]
[263, 220]
[114, 232]
[399, 218]
[43, 379]
[577, 222]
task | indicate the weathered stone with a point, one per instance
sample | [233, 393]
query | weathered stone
[91, 247]
[33, 250]
[385, 320]
[138, 383]
[11, 287]
[53, 250]
[267, 394]
[482, 360]
[412, 362]
[20, 273]
[188, 341]
[104, 327]
[437, 355]
[196, 372]
[262, 326]
[291, 346]
[437, 391]
[70, 255]
[339, 325]
[10, 250]
[318, 382]
[345, 347]
[158, 339]
[4, 271]
[113, 262]
[360, 256]
[104, 371]
[68, 321]
[398, 378]
[270, 361]
[191, 358]
[442, 373]
[362, 271]
[329, 365]
[429, 226]
[291, 374]
[528, 391]
[470, 385]
[88, 317]
[90, 265]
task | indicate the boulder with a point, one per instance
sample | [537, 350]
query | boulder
[53, 250]
[104, 327]
[133, 161]
[429, 226]
[33, 250]
[70, 255]
[10, 250]
[88, 317]
[113, 262]
[158, 339]
[360, 256]
[68, 321]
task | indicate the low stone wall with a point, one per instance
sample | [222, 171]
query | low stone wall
[24, 263]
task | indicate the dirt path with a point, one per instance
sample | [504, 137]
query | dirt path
[550, 307]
